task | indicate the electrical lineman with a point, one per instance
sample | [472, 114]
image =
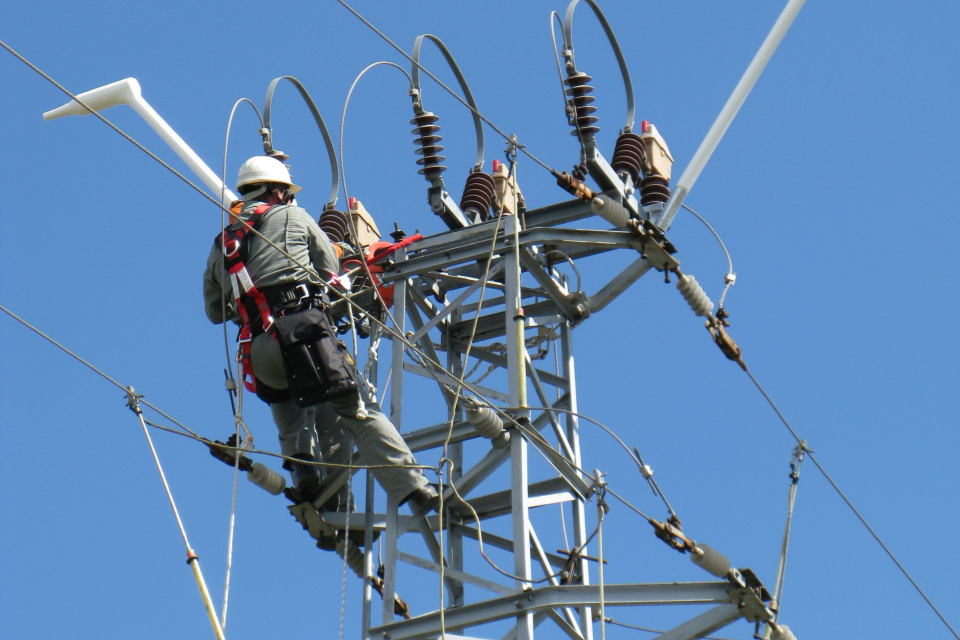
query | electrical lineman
[286, 337]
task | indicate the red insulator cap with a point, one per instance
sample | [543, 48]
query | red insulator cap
[353, 201]
[643, 126]
[496, 165]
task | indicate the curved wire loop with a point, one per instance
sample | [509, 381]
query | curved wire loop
[267, 133]
[418, 100]
[624, 71]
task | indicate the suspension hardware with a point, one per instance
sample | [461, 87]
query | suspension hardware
[576, 187]
[725, 342]
[671, 532]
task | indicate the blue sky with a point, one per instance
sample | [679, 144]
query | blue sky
[835, 190]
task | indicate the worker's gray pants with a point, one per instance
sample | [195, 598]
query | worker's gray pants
[323, 432]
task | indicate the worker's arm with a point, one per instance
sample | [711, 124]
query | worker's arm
[213, 293]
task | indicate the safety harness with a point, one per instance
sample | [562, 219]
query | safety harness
[250, 301]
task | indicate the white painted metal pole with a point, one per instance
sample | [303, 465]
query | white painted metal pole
[740, 93]
[128, 92]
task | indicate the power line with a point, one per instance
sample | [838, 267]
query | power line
[854, 509]
[445, 87]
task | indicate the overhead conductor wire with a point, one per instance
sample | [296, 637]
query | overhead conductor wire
[852, 508]
[445, 87]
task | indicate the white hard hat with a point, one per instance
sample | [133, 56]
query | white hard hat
[260, 169]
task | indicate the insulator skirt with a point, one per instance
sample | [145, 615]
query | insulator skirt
[578, 91]
[266, 478]
[654, 189]
[711, 561]
[478, 194]
[353, 553]
[428, 138]
[628, 156]
[334, 224]
[695, 296]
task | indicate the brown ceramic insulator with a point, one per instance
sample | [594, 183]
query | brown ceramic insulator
[478, 194]
[578, 90]
[628, 156]
[654, 189]
[428, 137]
[334, 224]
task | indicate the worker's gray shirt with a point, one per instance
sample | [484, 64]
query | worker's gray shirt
[288, 227]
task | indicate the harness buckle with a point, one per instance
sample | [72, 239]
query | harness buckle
[229, 253]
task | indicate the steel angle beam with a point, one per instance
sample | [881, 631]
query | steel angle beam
[499, 542]
[568, 307]
[538, 617]
[425, 342]
[436, 436]
[446, 377]
[496, 457]
[707, 622]
[572, 632]
[552, 597]
[491, 325]
[338, 520]
[548, 216]
[542, 394]
[498, 504]
[480, 353]
[476, 581]
[448, 309]
[618, 285]
[475, 249]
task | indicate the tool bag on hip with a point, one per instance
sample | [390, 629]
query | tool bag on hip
[317, 365]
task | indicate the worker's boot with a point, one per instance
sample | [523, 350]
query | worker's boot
[306, 478]
[425, 498]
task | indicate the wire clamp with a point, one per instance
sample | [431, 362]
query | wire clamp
[133, 400]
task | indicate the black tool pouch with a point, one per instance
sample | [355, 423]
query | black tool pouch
[318, 367]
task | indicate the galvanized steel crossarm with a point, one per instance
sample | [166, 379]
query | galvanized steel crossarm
[551, 597]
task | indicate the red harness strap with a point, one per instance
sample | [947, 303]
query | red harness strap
[234, 245]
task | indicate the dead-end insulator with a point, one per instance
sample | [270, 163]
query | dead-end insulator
[478, 194]
[695, 296]
[782, 632]
[351, 553]
[428, 138]
[334, 224]
[628, 156]
[710, 560]
[486, 421]
[582, 119]
[266, 478]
